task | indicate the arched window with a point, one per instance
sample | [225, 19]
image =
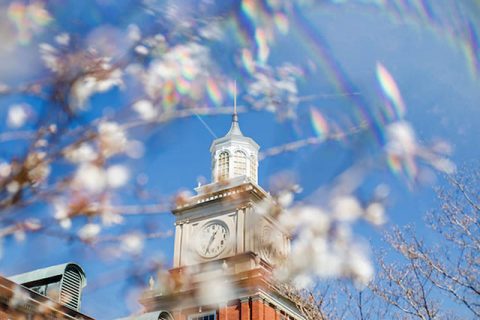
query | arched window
[223, 166]
[239, 163]
[253, 168]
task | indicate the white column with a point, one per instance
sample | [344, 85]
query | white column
[178, 245]
[240, 230]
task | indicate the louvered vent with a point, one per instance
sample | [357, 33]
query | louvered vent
[71, 289]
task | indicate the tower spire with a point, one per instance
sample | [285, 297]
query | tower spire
[235, 115]
[235, 127]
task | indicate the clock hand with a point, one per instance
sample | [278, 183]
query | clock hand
[210, 241]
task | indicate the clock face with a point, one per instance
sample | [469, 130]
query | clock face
[212, 239]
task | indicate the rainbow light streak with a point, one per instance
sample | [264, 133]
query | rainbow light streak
[281, 22]
[247, 61]
[27, 19]
[471, 49]
[319, 124]
[182, 85]
[391, 91]
[263, 50]
[245, 22]
[322, 55]
[404, 167]
[214, 92]
[170, 96]
[458, 32]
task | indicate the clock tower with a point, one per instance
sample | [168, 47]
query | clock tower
[226, 245]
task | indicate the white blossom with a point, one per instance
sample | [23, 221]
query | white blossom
[20, 297]
[145, 110]
[66, 223]
[13, 187]
[133, 33]
[401, 140]
[110, 218]
[81, 153]
[5, 169]
[218, 289]
[88, 85]
[37, 166]
[183, 62]
[275, 91]
[132, 243]
[17, 115]
[360, 267]
[135, 149]
[346, 208]
[90, 177]
[112, 138]
[375, 214]
[117, 176]
[63, 39]
[142, 50]
[50, 57]
[89, 231]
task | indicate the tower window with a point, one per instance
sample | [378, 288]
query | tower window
[253, 168]
[223, 166]
[239, 163]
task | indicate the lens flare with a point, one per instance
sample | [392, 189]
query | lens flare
[247, 61]
[28, 19]
[315, 43]
[319, 124]
[281, 22]
[391, 91]
[214, 92]
[262, 47]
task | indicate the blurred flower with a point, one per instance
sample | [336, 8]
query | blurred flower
[360, 267]
[275, 91]
[63, 39]
[86, 86]
[81, 153]
[375, 214]
[346, 208]
[176, 71]
[117, 176]
[135, 149]
[17, 115]
[142, 50]
[50, 57]
[37, 166]
[133, 33]
[218, 289]
[89, 231]
[90, 177]
[401, 140]
[145, 109]
[112, 138]
[132, 243]
[20, 297]
[28, 19]
[110, 218]
[5, 169]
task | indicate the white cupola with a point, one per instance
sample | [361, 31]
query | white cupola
[234, 155]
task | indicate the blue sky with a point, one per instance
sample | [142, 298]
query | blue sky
[438, 84]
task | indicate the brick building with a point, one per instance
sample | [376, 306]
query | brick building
[224, 248]
[52, 293]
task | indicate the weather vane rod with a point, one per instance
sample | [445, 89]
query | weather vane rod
[235, 97]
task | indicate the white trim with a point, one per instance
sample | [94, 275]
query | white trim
[203, 314]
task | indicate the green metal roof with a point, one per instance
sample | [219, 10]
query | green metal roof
[48, 272]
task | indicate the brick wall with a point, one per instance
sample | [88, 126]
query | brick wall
[245, 309]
